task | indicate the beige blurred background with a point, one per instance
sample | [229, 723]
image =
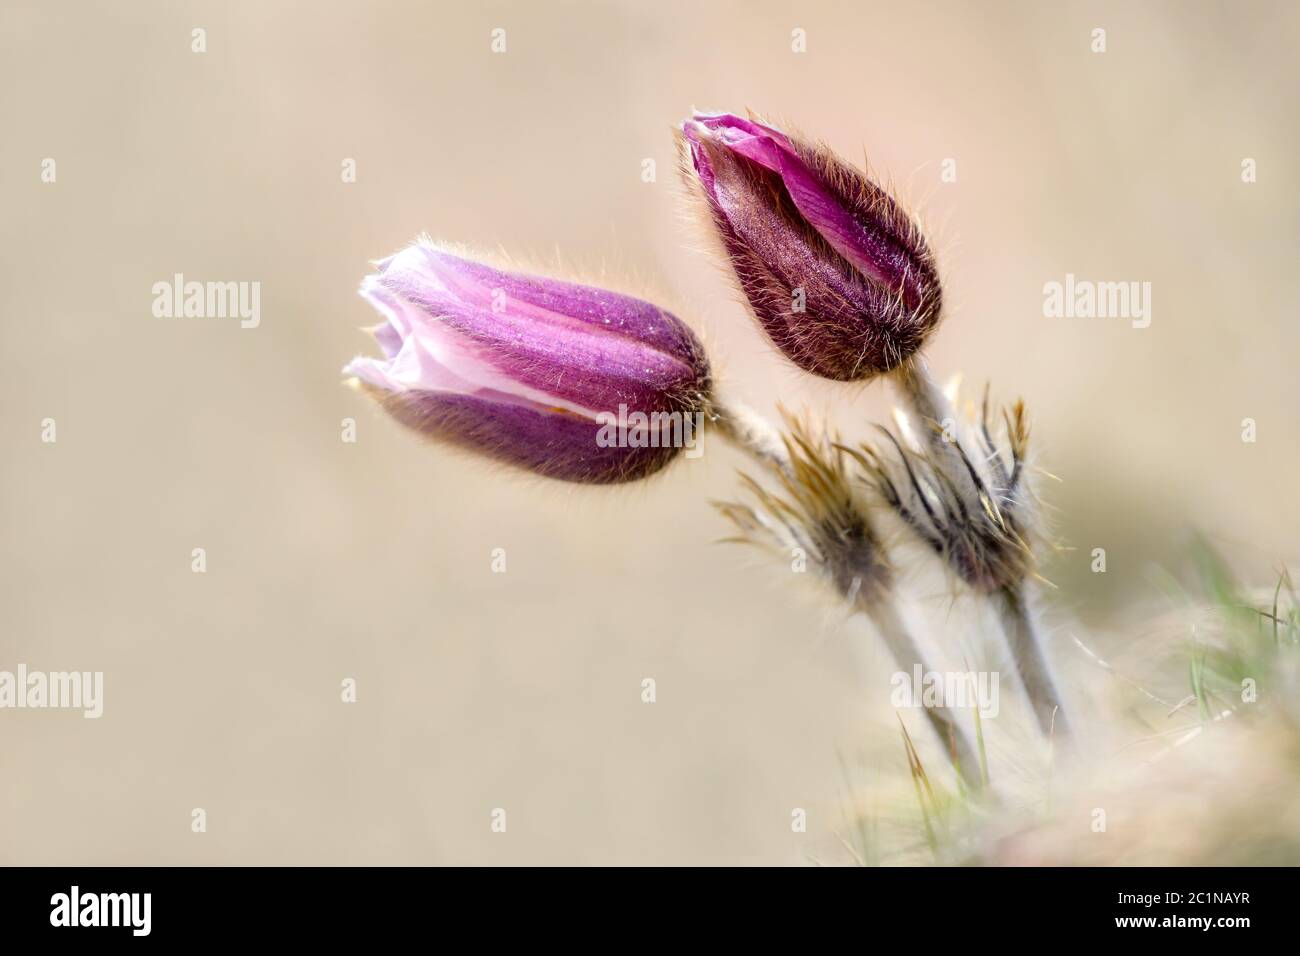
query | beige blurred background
[371, 560]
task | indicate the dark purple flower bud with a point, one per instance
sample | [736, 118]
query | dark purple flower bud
[837, 274]
[568, 381]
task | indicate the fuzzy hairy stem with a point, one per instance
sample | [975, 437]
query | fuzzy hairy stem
[753, 434]
[926, 400]
[905, 652]
[1025, 641]
[1007, 589]
[920, 389]
[816, 510]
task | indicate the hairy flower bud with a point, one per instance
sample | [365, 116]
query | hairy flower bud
[837, 274]
[566, 380]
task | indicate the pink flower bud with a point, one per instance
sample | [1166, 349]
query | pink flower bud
[837, 274]
[568, 381]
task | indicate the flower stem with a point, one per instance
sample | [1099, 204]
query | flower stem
[913, 379]
[752, 433]
[1027, 651]
[903, 648]
[1008, 592]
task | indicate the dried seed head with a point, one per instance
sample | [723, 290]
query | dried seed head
[951, 484]
[816, 511]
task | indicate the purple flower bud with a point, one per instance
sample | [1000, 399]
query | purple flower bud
[837, 274]
[566, 380]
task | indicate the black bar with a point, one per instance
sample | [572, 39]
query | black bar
[238, 904]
